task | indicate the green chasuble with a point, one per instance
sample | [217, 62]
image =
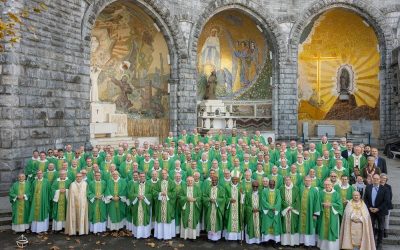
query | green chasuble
[247, 185]
[59, 209]
[316, 183]
[97, 206]
[190, 211]
[214, 212]
[333, 160]
[30, 168]
[258, 176]
[140, 208]
[166, 164]
[40, 200]
[69, 156]
[105, 166]
[72, 171]
[41, 165]
[271, 203]
[321, 147]
[168, 140]
[204, 168]
[125, 169]
[328, 223]
[267, 166]
[253, 219]
[284, 171]
[118, 159]
[309, 206]
[321, 172]
[290, 199]
[302, 168]
[278, 180]
[51, 176]
[259, 138]
[59, 162]
[296, 179]
[225, 165]
[146, 166]
[165, 205]
[153, 186]
[340, 172]
[20, 208]
[195, 139]
[356, 161]
[346, 193]
[178, 187]
[116, 209]
[314, 155]
[233, 217]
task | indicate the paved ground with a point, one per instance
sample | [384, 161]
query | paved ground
[60, 241]
[394, 178]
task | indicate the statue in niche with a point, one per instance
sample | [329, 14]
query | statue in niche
[211, 86]
[344, 81]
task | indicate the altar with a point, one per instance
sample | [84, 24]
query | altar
[239, 114]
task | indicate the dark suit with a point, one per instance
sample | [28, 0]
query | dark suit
[382, 165]
[382, 203]
[345, 154]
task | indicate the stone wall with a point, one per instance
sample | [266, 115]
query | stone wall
[45, 83]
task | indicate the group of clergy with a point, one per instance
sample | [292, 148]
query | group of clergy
[233, 187]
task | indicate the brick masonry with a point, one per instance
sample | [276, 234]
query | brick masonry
[45, 83]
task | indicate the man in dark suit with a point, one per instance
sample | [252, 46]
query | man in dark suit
[376, 198]
[379, 161]
[349, 151]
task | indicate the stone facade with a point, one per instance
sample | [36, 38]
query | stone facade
[45, 82]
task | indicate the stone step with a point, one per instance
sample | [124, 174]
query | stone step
[396, 206]
[5, 214]
[5, 227]
[5, 221]
[392, 240]
[395, 213]
[394, 229]
[394, 221]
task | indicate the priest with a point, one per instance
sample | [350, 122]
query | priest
[290, 213]
[214, 206]
[234, 210]
[252, 215]
[19, 198]
[329, 221]
[309, 210]
[271, 208]
[59, 195]
[140, 200]
[39, 212]
[116, 202]
[164, 226]
[97, 205]
[190, 205]
[77, 209]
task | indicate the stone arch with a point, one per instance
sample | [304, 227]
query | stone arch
[374, 17]
[269, 26]
[254, 10]
[158, 11]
